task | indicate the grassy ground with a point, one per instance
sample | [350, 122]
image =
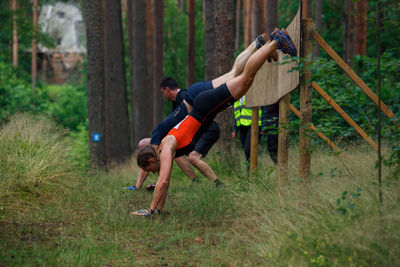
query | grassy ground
[51, 213]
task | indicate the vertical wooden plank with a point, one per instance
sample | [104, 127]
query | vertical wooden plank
[306, 100]
[283, 140]
[254, 140]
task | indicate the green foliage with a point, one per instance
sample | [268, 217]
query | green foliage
[175, 42]
[66, 104]
[16, 94]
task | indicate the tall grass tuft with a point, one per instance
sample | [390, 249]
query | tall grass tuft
[333, 217]
[34, 160]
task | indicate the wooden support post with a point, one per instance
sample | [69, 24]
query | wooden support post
[283, 140]
[344, 115]
[306, 99]
[254, 140]
[352, 74]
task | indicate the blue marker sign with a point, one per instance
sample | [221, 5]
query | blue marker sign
[96, 137]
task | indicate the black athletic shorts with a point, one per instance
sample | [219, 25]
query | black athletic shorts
[195, 89]
[206, 106]
[208, 139]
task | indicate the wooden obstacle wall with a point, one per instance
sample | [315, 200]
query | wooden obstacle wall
[273, 81]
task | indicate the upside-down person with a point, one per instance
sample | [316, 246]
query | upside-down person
[183, 105]
[206, 106]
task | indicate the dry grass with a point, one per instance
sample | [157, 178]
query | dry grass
[52, 214]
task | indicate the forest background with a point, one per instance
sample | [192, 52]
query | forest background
[29, 222]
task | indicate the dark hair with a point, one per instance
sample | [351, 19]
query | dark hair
[144, 154]
[168, 82]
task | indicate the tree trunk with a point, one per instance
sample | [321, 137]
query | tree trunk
[257, 18]
[307, 9]
[158, 52]
[361, 27]
[271, 20]
[117, 123]
[209, 39]
[14, 7]
[348, 44]
[190, 43]
[247, 22]
[224, 37]
[34, 44]
[318, 25]
[237, 23]
[95, 70]
[140, 100]
[149, 57]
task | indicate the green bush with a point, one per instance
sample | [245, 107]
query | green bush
[66, 104]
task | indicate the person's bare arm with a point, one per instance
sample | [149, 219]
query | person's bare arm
[141, 178]
[168, 149]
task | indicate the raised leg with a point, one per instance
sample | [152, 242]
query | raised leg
[239, 85]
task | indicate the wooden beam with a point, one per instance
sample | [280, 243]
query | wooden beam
[254, 140]
[352, 75]
[321, 135]
[283, 140]
[344, 115]
[305, 99]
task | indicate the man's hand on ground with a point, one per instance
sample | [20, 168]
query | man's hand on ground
[151, 187]
[131, 188]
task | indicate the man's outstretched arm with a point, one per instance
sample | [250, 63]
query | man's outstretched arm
[141, 178]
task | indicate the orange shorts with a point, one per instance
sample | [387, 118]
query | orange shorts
[185, 131]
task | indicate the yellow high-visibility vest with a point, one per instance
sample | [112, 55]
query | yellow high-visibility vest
[243, 114]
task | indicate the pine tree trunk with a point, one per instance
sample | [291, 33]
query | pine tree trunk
[318, 25]
[140, 102]
[271, 15]
[237, 23]
[95, 72]
[209, 39]
[257, 19]
[361, 20]
[247, 22]
[34, 45]
[348, 44]
[14, 7]
[224, 37]
[190, 43]
[149, 57]
[158, 52]
[307, 9]
[117, 123]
